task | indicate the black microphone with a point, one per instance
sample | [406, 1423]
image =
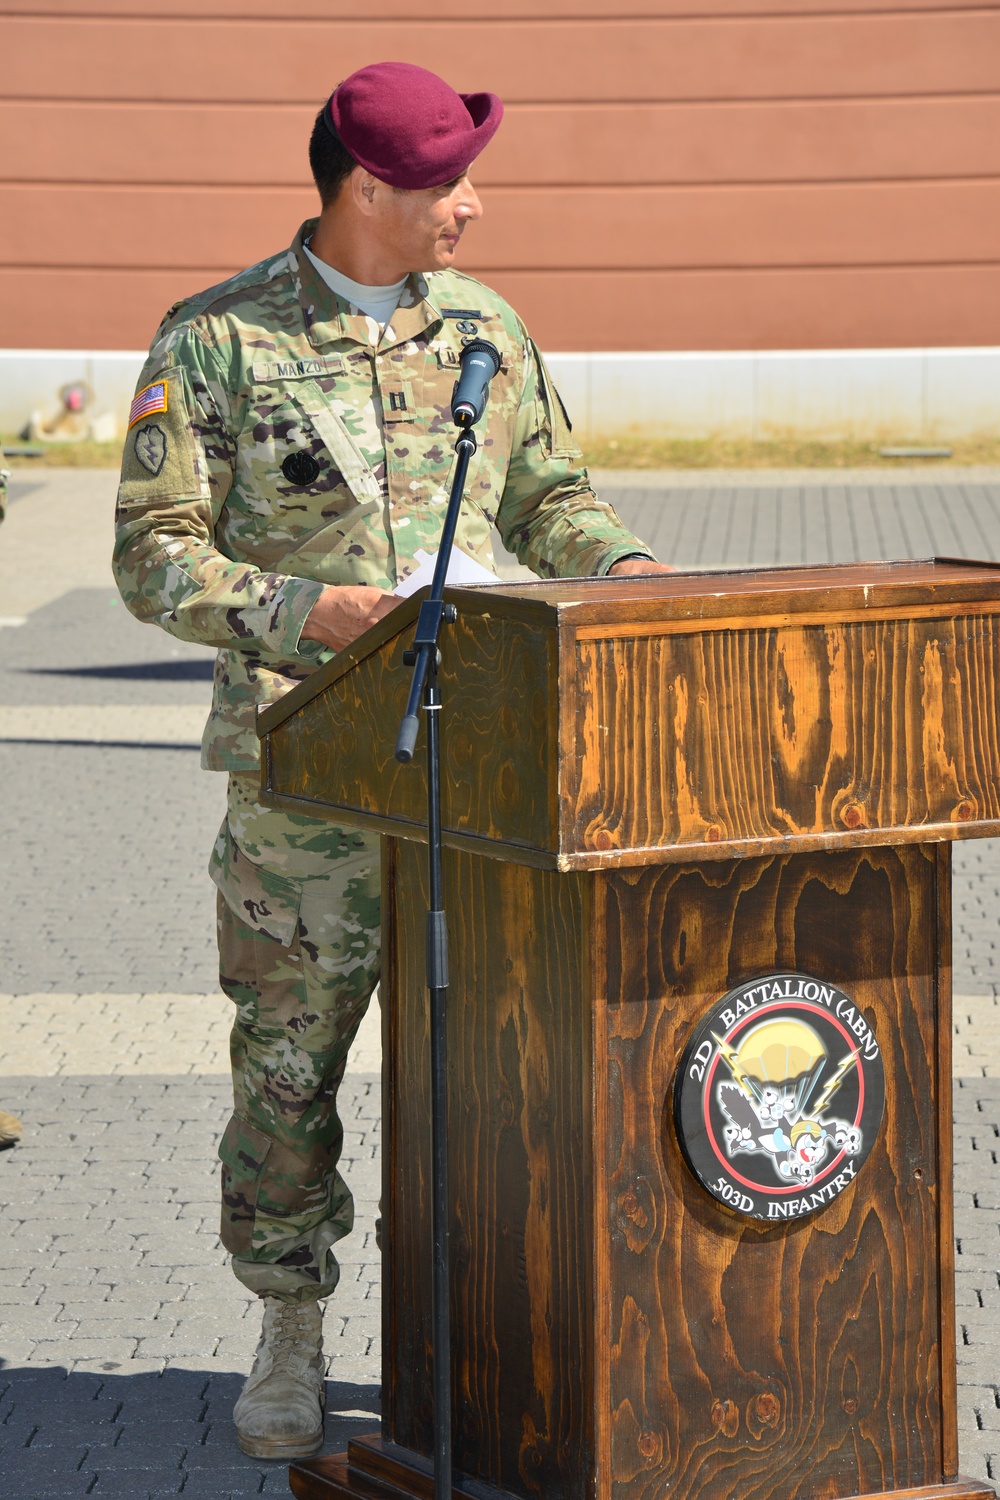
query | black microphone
[480, 362]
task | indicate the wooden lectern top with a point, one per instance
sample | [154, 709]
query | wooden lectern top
[589, 723]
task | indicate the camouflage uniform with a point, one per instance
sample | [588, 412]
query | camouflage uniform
[284, 443]
[300, 957]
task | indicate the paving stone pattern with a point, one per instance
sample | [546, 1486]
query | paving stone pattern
[738, 526]
[111, 847]
[123, 1337]
[977, 1274]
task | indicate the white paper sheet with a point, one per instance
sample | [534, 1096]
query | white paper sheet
[462, 570]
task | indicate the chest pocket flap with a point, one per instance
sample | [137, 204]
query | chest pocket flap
[357, 471]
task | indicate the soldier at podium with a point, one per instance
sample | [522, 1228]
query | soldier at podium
[288, 454]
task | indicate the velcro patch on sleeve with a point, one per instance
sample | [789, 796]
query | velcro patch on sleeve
[162, 451]
[152, 399]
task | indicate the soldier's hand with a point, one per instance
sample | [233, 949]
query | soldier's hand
[341, 614]
[639, 565]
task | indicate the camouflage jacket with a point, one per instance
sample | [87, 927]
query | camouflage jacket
[280, 441]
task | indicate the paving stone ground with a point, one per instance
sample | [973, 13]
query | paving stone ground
[123, 1337]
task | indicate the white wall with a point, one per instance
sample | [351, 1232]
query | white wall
[832, 393]
[828, 393]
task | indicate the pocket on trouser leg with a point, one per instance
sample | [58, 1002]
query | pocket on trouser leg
[237, 961]
[273, 1198]
[282, 1212]
[243, 1152]
[262, 898]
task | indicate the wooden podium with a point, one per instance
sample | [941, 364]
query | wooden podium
[656, 792]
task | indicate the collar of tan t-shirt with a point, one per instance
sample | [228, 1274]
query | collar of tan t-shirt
[378, 302]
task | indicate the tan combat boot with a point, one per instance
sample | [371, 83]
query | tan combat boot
[280, 1411]
[10, 1129]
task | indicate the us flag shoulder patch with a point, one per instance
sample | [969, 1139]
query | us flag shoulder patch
[149, 401]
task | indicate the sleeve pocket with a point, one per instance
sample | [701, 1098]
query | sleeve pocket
[555, 421]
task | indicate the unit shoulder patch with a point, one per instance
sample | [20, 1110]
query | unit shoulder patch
[150, 447]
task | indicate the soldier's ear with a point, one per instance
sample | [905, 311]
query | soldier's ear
[362, 185]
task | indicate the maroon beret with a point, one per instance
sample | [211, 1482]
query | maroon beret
[408, 127]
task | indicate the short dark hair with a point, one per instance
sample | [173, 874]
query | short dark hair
[329, 158]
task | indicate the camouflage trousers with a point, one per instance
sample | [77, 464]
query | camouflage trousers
[298, 908]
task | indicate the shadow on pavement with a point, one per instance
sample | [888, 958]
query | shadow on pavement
[190, 670]
[147, 1435]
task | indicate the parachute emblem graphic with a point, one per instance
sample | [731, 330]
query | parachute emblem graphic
[779, 1097]
[772, 1103]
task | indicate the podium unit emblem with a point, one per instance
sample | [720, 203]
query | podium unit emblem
[779, 1096]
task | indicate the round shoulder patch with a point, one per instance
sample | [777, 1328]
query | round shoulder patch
[779, 1096]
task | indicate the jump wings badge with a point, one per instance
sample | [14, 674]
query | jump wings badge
[780, 1096]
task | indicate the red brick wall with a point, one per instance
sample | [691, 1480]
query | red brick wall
[670, 174]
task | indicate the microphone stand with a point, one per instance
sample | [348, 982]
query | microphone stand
[424, 657]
